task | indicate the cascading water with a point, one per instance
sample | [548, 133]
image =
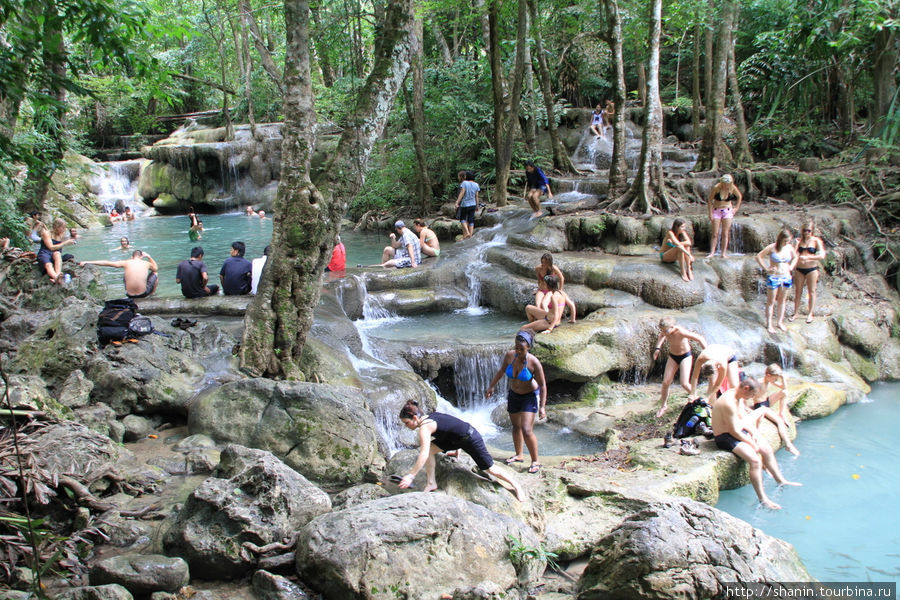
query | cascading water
[473, 370]
[118, 186]
[473, 268]
[737, 238]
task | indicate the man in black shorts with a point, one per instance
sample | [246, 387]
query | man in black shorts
[736, 433]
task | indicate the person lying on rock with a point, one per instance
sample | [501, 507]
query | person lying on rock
[722, 361]
[737, 432]
[141, 276]
[442, 433]
[680, 358]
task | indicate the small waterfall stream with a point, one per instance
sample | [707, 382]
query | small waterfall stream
[117, 186]
[476, 265]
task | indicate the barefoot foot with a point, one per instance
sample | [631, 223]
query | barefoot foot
[662, 410]
[770, 329]
[430, 487]
[809, 318]
[769, 504]
[791, 483]
[792, 317]
[792, 449]
[782, 326]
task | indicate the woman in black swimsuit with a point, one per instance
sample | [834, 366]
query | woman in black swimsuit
[442, 433]
[810, 253]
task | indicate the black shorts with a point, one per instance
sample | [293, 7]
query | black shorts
[727, 442]
[473, 445]
[763, 403]
[467, 214]
[517, 403]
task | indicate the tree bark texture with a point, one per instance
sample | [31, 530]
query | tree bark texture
[279, 318]
[618, 168]
[442, 45]
[415, 107]
[742, 153]
[529, 128]
[695, 82]
[887, 52]
[647, 193]
[708, 54]
[713, 152]
[561, 160]
[308, 215]
[324, 59]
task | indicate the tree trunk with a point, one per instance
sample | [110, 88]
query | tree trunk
[328, 77]
[742, 153]
[886, 56]
[695, 82]
[415, 107]
[265, 56]
[648, 190]
[618, 168]
[708, 55]
[529, 129]
[49, 117]
[713, 152]
[307, 216]
[642, 83]
[506, 109]
[441, 41]
[561, 160]
[245, 66]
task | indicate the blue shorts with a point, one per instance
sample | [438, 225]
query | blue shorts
[773, 282]
[517, 403]
[467, 214]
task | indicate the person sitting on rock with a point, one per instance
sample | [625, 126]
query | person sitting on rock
[193, 277]
[548, 319]
[236, 272]
[677, 248]
[338, 261]
[762, 403]
[428, 239]
[542, 295]
[680, 359]
[736, 432]
[443, 433]
[141, 276]
[597, 121]
[404, 249]
[722, 362]
[257, 271]
[49, 255]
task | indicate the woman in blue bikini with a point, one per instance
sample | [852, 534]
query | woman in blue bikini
[677, 248]
[782, 258]
[526, 396]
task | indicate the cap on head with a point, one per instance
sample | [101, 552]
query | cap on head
[726, 178]
[399, 224]
[526, 336]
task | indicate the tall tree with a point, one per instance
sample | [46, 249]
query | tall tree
[415, 108]
[742, 153]
[308, 214]
[886, 53]
[506, 106]
[648, 193]
[561, 160]
[618, 168]
[713, 151]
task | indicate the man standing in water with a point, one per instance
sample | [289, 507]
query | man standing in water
[141, 277]
[736, 434]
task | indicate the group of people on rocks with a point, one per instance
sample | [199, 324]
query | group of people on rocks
[787, 262]
[738, 402]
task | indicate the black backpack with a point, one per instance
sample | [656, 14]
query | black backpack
[120, 319]
[699, 408]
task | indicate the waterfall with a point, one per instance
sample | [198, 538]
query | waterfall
[374, 315]
[473, 268]
[473, 370]
[737, 238]
[116, 187]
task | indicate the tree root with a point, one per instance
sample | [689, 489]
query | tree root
[83, 495]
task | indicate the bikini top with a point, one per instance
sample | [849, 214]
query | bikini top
[807, 249]
[524, 374]
[729, 198]
[775, 257]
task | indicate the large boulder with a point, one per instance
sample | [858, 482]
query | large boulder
[418, 544]
[95, 592]
[684, 549]
[323, 431]
[69, 447]
[253, 497]
[141, 574]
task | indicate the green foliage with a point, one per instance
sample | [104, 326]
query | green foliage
[520, 553]
[12, 224]
[391, 178]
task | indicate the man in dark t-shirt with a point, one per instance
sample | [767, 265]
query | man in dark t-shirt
[193, 278]
[236, 272]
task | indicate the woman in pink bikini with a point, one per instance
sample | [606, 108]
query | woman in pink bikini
[722, 211]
